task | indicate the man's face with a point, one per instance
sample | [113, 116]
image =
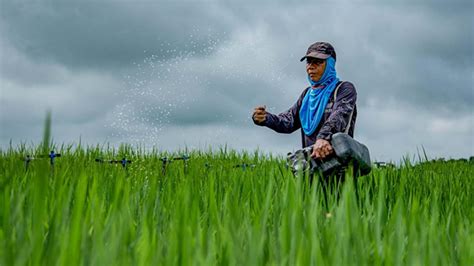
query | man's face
[315, 68]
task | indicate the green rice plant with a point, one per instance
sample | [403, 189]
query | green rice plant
[82, 212]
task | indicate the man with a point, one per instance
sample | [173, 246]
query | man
[326, 107]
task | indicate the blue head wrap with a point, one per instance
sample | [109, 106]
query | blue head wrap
[317, 97]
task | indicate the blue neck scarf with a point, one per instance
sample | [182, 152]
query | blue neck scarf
[317, 97]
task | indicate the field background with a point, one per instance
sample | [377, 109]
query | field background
[86, 213]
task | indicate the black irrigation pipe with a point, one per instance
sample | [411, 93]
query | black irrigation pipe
[383, 164]
[166, 161]
[124, 161]
[52, 156]
[244, 166]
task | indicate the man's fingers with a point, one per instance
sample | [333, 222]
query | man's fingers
[320, 153]
[316, 154]
[258, 115]
[327, 150]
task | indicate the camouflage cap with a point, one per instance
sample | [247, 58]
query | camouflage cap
[321, 50]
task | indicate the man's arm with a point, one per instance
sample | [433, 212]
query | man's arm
[338, 120]
[286, 122]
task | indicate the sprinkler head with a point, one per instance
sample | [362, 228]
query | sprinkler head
[28, 158]
[124, 162]
[52, 156]
[185, 159]
[165, 161]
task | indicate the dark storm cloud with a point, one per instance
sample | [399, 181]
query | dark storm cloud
[208, 64]
[424, 56]
[74, 98]
[110, 34]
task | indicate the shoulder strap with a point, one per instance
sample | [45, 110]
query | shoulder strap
[349, 123]
[337, 88]
[350, 117]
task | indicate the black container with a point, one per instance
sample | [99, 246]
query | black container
[347, 151]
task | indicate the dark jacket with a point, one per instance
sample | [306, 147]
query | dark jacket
[335, 119]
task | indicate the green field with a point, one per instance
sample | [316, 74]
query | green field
[87, 213]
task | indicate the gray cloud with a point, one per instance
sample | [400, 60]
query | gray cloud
[98, 34]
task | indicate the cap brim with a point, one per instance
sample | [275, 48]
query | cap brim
[315, 55]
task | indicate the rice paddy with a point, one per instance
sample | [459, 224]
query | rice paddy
[210, 210]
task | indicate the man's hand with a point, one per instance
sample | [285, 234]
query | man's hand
[259, 114]
[321, 149]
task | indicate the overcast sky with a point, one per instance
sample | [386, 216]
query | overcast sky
[175, 74]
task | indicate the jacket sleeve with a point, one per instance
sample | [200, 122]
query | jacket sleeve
[338, 120]
[286, 122]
